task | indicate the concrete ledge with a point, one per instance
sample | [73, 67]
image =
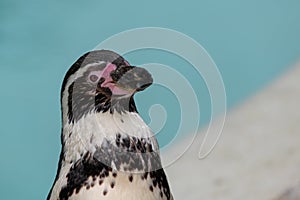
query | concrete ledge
[258, 156]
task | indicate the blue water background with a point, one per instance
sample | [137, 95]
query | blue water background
[252, 42]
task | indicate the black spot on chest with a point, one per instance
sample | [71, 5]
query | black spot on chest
[79, 174]
[159, 180]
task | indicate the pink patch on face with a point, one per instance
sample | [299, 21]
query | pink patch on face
[108, 69]
[109, 83]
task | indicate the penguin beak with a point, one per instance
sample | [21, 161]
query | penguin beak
[126, 80]
[132, 78]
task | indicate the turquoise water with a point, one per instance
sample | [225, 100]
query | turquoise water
[251, 42]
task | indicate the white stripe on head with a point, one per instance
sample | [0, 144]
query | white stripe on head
[71, 80]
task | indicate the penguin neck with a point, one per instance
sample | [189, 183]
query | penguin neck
[92, 130]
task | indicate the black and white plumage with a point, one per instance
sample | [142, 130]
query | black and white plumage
[108, 152]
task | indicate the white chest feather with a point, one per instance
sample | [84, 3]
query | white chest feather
[89, 132]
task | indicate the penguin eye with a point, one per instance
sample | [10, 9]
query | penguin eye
[93, 78]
